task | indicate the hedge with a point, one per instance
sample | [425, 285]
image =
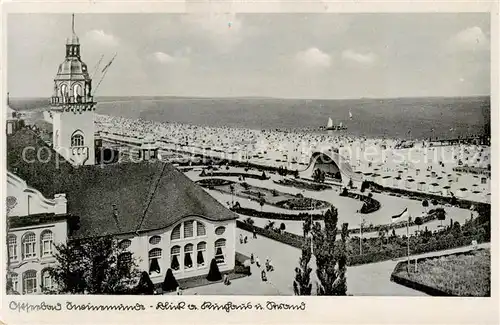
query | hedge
[370, 205]
[274, 215]
[224, 174]
[285, 237]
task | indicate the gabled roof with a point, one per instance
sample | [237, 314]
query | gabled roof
[147, 195]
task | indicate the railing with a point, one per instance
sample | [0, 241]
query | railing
[71, 100]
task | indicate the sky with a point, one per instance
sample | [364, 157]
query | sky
[269, 55]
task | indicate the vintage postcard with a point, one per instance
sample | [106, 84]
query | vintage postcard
[212, 162]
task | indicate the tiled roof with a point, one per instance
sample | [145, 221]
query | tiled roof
[147, 195]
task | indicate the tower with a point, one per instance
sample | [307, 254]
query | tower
[72, 107]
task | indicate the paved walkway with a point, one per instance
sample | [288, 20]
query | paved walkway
[364, 280]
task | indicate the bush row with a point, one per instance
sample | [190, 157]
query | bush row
[370, 205]
[284, 237]
[224, 174]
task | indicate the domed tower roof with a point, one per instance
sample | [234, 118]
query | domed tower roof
[72, 68]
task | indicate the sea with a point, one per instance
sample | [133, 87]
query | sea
[403, 118]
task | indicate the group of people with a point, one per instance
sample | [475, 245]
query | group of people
[268, 266]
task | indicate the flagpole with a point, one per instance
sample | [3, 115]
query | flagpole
[360, 236]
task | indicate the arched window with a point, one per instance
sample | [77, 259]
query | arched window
[64, 92]
[29, 281]
[220, 230]
[77, 90]
[12, 240]
[77, 139]
[220, 251]
[124, 244]
[188, 258]
[46, 242]
[175, 253]
[188, 229]
[176, 233]
[14, 279]
[29, 241]
[201, 249]
[200, 229]
[154, 240]
[47, 282]
[154, 261]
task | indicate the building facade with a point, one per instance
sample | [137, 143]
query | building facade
[36, 224]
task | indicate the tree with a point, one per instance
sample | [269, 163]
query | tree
[264, 176]
[434, 202]
[331, 263]
[303, 272]
[231, 188]
[282, 227]
[170, 283]
[214, 273]
[425, 204]
[441, 215]
[95, 266]
[270, 225]
[262, 201]
[317, 175]
[249, 221]
[418, 221]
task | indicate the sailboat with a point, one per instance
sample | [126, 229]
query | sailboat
[350, 115]
[331, 127]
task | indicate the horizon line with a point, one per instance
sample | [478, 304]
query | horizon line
[268, 97]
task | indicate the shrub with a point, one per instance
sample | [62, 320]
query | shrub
[214, 273]
[170, 283]
[145, 285]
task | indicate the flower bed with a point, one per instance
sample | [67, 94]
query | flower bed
[302, 185]
[208, 182]
[460, 274]
[303, 203]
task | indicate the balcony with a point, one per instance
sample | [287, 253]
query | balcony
[55, 100]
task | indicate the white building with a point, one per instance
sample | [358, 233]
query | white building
[163, 218]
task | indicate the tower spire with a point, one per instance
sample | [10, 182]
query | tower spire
[73, 23]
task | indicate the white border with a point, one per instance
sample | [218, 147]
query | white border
[327, 310]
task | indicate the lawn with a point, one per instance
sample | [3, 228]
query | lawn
[467, 274]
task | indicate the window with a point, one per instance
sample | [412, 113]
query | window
[175, 252]
[200, 255]
[29, 281]
[220, 247]
[29, 241]
[124, 244]
[154, 260]
[220, 230]
[47, 282]
[46, 243]
[188, 252]
[155, 240]
[77, 139]
[15, 281]
[200, 229]
[188, 229]
[12, 247]
[176, 233]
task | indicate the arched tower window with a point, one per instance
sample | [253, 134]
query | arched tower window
[64, 92]
[77, 92]
[77, 139]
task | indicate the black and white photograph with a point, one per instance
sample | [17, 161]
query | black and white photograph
[248, 154]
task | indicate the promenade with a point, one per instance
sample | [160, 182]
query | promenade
[363, 280]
